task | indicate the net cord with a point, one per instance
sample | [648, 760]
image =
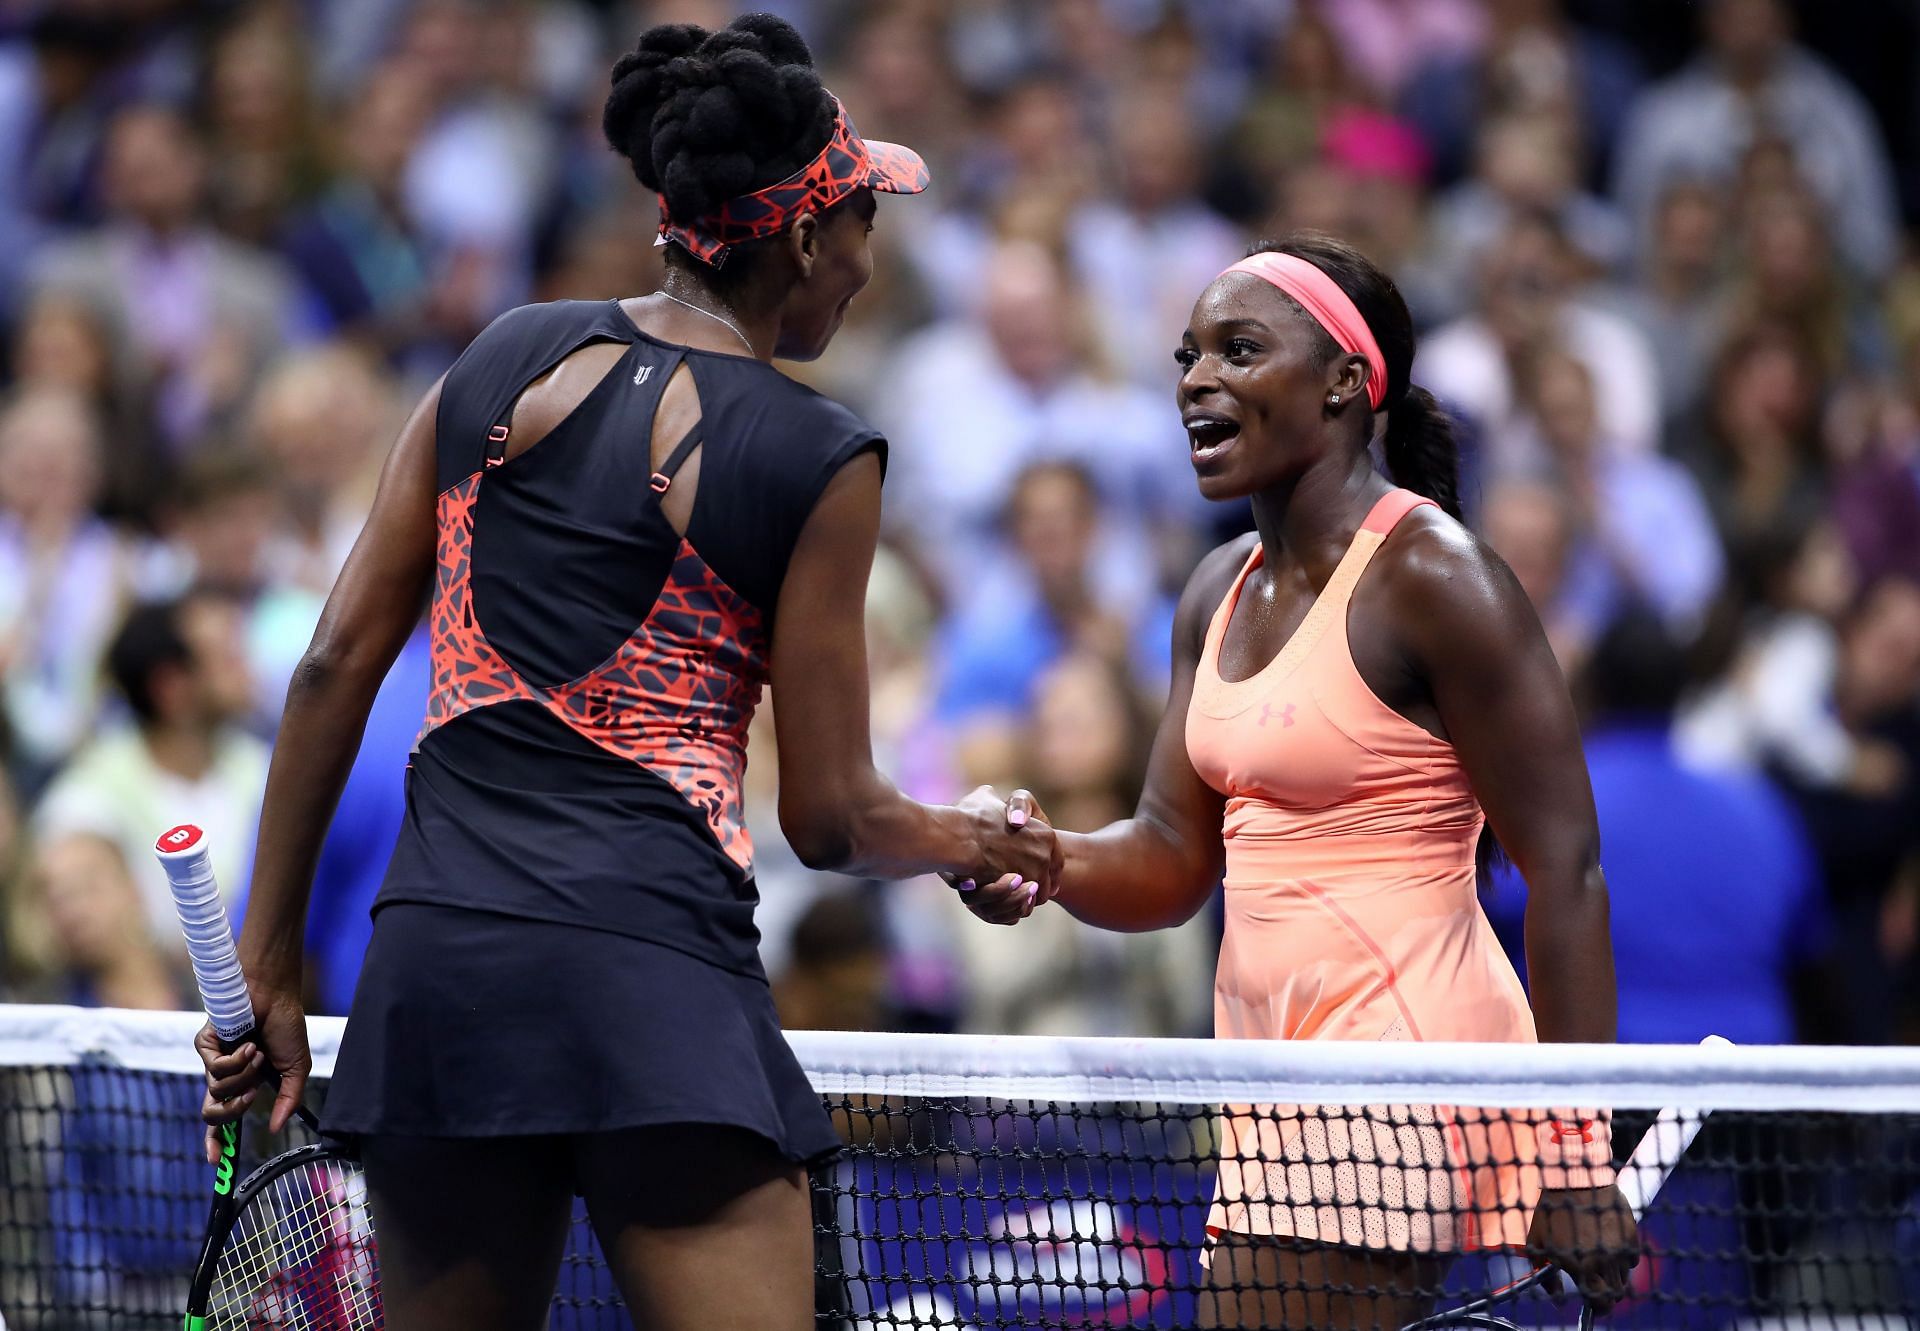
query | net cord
[1168, 1072]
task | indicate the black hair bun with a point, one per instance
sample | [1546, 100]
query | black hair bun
[706, 116]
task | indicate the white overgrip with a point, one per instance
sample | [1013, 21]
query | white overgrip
[183, 853]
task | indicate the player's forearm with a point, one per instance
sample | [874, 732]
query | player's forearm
[1134, 876]
[873, 831]
[320, 731]
[1570, 957]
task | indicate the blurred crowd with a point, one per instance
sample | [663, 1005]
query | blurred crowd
[1660, 255]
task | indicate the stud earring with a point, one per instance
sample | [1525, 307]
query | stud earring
[1334, 401]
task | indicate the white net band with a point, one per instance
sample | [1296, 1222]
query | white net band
[1169, 1072]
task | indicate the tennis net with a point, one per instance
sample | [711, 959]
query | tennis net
[1032, 1182]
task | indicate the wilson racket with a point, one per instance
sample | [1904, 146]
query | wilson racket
[1640, 1180]
[291, 1244]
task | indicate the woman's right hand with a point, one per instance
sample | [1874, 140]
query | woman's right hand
[279, 1041]
[1020, 857]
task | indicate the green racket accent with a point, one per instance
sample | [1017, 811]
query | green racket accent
[196, 1323]
[223, 1172]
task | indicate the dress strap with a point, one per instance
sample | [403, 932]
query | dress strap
[1390, 508]
[663, 478]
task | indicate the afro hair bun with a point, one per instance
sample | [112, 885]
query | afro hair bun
[704, 117]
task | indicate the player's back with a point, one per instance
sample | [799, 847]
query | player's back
[595, 661]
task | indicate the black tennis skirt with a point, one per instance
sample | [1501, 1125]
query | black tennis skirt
[472, 1024]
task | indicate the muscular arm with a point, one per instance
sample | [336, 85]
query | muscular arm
[836, 809]
[375, 604]
[1158, 867]
[1475, 638]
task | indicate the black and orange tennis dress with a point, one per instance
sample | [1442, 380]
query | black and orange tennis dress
[565, 939]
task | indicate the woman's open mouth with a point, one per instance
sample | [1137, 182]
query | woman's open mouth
[1209, 435]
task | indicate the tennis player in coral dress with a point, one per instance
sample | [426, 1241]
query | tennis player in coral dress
[1360, 687]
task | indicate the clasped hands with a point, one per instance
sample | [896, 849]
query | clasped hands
[1017, 856]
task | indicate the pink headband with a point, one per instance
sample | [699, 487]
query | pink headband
[1321, 297]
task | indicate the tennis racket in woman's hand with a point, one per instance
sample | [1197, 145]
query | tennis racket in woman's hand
[1653, 1160]
[291, 1244]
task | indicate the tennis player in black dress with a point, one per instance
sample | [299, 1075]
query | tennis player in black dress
[627, 523]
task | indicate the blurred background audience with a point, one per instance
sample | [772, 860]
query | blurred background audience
[1663, 260]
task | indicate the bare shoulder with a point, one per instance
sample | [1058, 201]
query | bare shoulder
[1440, 581]
[1214, 574]
[1207, 587]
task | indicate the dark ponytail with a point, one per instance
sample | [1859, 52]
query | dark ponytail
[1421, 450]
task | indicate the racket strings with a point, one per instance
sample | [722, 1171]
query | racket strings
[301, 1257]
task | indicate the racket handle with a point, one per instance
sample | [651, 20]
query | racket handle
[182, 852]
[1660, 1150]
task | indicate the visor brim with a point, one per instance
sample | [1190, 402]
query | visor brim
[896, 170]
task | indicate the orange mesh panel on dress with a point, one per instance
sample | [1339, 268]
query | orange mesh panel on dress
[675, 697]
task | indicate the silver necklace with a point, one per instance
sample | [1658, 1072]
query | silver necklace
[732, 327]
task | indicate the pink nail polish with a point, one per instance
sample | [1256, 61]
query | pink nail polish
[1017, 817]
[1033, 890]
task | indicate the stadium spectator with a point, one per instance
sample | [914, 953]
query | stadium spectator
[104, 950]
[969, 402]
[61, 343]
[1034, 152]
[1642, 533]
[835, 978]
[1753, 80]
[488, 124]
[1307, 85]
[1534, 62]
[1011, 627]
[1715, 892]
[1142, 253]
[1867, 828]
[194, 311]
[1771, 706]
[355, 249]
[26, 940]
[263, 127]
[321, 421]
[64, 575]
[1529, 522]
[1529, 297]
[226, 531]
[181, 668]
[1755, 446]
[898, 69]
[1672, 300]
[1788, 276]
[1872, 439]
[1083, 749]
[1389, 41]
[1369, 184]
[1526, 163]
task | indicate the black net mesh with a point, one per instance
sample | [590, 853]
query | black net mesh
[974, 1213]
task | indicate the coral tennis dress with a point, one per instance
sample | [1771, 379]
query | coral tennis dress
[1351, 914]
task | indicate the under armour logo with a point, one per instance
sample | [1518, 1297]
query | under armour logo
[644, 373]
[1578, 1130]
[1286, 714]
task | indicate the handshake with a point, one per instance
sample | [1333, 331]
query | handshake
[1018, 857]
